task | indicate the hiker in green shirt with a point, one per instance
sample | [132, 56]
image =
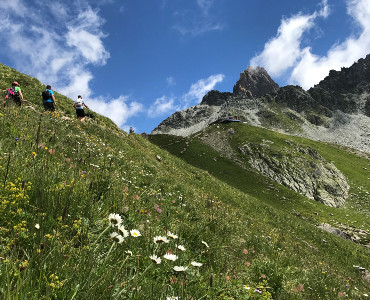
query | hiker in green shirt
[14, 93]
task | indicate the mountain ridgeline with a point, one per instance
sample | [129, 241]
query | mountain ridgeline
[337, 110]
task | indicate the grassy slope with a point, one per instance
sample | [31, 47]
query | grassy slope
[67, 177]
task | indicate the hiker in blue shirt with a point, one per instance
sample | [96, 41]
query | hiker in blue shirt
[48, 99]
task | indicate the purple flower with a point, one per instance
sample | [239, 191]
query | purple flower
[16, 139]
[258, 291]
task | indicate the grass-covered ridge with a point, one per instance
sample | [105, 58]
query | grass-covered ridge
[61, 180]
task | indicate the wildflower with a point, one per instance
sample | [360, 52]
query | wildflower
[34, 154]
[180, 247]
[156, 259]
[245, 251]
[246, 287]
[128, 252]
[160, 239]
[258, 291]
[16, 139]
[171, 235]
[169, 256]
[196, 264]
[263, 276]
[172, 298]
[135, 233]
[180, 268]
[121, 230]
[37, 226]
[115, 219]
[116, 237]
[203, 242]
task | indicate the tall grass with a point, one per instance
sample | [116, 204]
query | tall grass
[65, 186]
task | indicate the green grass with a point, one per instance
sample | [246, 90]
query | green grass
[61, 179]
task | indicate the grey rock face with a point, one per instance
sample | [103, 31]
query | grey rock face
[254, 83]
[337, 110]
[302, 170]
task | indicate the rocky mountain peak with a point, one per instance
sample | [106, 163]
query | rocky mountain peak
[254, 83]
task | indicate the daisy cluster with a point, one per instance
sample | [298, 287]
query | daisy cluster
[121, 233]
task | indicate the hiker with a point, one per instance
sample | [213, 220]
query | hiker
[48, 99]
[14, 93]
[131, 130]
[79, 106]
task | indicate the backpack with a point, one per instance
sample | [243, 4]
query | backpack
[11, 93]
[79, 103]
[45, 95]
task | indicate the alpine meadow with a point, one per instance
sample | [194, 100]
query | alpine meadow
[88, 211]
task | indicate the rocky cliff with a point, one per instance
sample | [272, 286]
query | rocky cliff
[336, 110]
[254, 83]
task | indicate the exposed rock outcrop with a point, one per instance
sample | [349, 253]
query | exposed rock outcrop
[302, 170]
[254, 83]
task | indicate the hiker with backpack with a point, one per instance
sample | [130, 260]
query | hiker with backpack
[14, 93]
[48, 99]
[79, 106]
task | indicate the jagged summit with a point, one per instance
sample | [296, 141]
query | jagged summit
[337, 110]
[254, 83]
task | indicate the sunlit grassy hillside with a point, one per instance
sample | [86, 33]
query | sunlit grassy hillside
[184, 234]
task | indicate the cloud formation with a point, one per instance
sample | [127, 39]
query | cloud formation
[162, 106]
[197, 22]
[167, 105]
[200, 88]
[58, 50]
[285, 54]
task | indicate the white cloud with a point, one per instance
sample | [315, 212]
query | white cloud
[200, 88]
[59, 50]
[285, 53]
[166, 105]
[205, 5]
[170, 81]
[197, 22]
[118, 110]
[162, 106]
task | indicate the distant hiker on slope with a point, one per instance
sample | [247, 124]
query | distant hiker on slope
[79, 106]
[48, 99]
[14, 93]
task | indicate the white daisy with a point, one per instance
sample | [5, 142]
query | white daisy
[116, 237]
[135, 233]
[180, 268]
[128, 252]
[196, 264]
[37, 226]
[246, 287]
[203, 242]
[171, 235]
[160, 239]
[181, 247]
[172, 298]
[169, 256]
[115, 219]
[121, 229]
[156, 259]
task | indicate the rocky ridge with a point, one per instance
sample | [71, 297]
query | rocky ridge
[337, 110]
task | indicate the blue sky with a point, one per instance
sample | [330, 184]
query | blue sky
[138, 61]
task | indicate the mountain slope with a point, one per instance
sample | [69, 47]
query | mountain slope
[336, 110]
[62, 180]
